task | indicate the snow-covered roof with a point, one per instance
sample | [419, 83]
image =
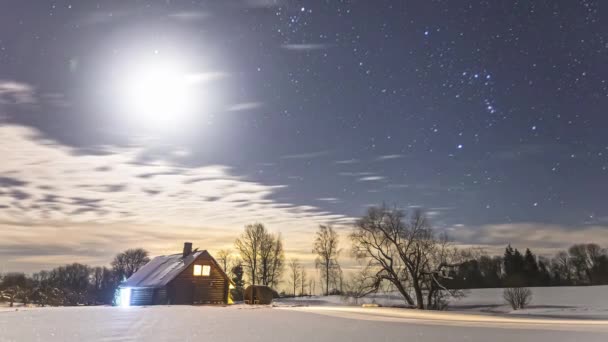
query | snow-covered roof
[161, 270]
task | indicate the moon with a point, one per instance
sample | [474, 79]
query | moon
[159, 93]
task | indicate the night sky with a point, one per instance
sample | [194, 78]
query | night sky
[491, 115]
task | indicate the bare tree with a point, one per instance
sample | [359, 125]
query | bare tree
[405, 251]
[361, 283]
[562, 267]
[294, 273]
[129, 261]
[517, 297]
[312, 287]
[262, 254]
[275, 262]
[223, 258]
[584, 258]
[326, 248]
[249, 245]
[303, 281]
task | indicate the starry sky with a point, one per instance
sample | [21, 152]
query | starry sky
[488, 114]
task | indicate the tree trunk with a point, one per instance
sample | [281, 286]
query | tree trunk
[327, 278]
[404, 293]
[419, 295]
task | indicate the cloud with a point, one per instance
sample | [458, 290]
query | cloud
[111, 201]
[189, 16]
[12, 92]
[389, 157]
[347, 161]
[244, 106]
[304, 47]
[541, 238]
[397, 186]
[308, 155]
[328, 199]
[371, 178]
[356, 174]
[263, 3]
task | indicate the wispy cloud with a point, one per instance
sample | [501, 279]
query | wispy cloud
[389, 157]
[397, 186]
[305, 47]
[244, 106]
[189, 16]
[263, 3]
[308, 155]
[356, 174]
[328, 199]
[371, 179]
[59, 191]
[347, 161]
[12, 92]
[541, 238]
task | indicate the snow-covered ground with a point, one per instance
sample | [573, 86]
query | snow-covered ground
[566, 302]
[243, 323]
[478, 317]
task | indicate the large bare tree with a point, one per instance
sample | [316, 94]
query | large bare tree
[326, 248]
[129, 261]
[406, 252]
[262, 254]
[223, 258]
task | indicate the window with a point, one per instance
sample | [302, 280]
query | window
[206, 270]
[198, 270]
[202, 270]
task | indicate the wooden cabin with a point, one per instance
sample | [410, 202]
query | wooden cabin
[191, 277]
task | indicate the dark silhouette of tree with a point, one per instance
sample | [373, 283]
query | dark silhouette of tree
[129, 261]
[238, 273]
[530, 269]
[262, 255]
[404, 251]
[12, 287]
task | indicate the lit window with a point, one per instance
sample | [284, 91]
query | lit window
[202, 270]
[198, 270]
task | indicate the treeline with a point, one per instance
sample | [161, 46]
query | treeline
[581, 264]
[260, 260]
[73, 284]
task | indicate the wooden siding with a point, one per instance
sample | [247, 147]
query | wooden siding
[142, 296]
[189, 289]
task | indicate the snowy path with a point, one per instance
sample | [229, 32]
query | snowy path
[238, 323]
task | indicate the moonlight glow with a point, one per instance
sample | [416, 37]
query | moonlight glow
[158, 94]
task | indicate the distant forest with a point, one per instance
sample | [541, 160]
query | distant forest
[581, 264]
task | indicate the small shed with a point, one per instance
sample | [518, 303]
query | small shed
[190, 277]
[258, 294]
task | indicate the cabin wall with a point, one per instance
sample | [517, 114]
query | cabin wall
[142, 296]
[189, 289]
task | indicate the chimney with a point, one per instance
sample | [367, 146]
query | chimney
[187, 249]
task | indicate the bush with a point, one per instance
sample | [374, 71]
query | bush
[517, 297]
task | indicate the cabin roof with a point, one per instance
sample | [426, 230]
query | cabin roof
[162, 269]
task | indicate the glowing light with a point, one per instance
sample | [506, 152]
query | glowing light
[125, 297]
[159, 93]
[206, 270]
[198, 270]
